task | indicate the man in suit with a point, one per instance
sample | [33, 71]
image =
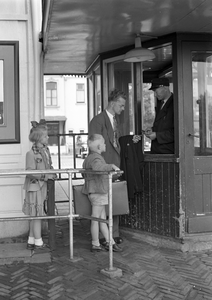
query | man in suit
[107, 125]
[162, 132]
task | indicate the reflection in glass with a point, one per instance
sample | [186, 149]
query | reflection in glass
[122, 80]
[202, 102]
[131, 109]
[98, 106]
[1, 94]
[148, 112]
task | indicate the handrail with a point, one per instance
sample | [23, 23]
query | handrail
[71, 215]
[73, 136]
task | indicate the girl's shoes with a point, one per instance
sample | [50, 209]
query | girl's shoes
[34, 247]
[44, 246]
[97, 248]
[30, 246]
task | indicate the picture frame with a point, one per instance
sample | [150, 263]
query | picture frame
[9, 93]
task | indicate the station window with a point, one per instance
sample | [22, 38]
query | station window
[51, 93]
[80, 93]
[148, 112]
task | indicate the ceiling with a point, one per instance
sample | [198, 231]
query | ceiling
[76, 31]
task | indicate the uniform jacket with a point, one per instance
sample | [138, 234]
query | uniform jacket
[101, 124]
[132, 161]
[164, 128]
[96, 183]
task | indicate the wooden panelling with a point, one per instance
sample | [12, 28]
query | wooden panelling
[203, 194]
[206, 192]
[200, 224]
[156, 209]
[202, 165]
[201, 217]
[198, 194]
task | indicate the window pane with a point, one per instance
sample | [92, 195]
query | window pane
[80, 86]
[54, 101]
[80, 95]
[48, 101]
[122, 80]
[1, 93]
[51, 93]
[202, 101]
[98, 106]
[54, 93]
[149, 112]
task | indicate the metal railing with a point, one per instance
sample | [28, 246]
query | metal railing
[72, 147]
[71, 215]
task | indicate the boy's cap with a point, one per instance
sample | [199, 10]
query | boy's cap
[158, 82]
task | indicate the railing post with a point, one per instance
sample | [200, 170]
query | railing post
[110, 224]
[51, 212]
[70, 193]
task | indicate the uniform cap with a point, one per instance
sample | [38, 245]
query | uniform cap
[158, 82]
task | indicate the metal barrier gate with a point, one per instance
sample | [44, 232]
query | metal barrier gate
[9, 173]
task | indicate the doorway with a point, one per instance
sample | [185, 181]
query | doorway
[197, 116]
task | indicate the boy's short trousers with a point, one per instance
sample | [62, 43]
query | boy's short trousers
[98, 199]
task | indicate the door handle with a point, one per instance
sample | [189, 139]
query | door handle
[193, 135]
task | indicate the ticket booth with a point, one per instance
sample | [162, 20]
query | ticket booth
[177, 188]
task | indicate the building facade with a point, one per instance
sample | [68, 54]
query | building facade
[21, 100]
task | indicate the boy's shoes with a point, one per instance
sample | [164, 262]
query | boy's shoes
[116, 248]
[30, 246]
[102, 241]
[97, 248]
[44, 246]
[118, 240]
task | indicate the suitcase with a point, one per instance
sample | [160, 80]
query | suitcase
[119, 194]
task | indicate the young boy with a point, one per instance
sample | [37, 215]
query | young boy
[96, 187]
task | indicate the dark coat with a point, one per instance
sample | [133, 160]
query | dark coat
[132, 161]
[164, 128]
[101, 124]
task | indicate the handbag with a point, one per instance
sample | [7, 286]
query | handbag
[120, 202]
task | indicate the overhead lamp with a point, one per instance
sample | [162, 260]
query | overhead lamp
[138, 54]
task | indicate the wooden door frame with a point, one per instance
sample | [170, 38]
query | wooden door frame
[195, 221]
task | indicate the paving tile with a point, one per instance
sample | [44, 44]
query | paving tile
[149, 272]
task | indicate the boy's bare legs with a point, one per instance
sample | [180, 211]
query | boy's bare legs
[96, 213]
[99, 212]
[103, 226]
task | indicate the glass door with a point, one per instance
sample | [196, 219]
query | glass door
[202, 101]
[197, 75]
[118, 74]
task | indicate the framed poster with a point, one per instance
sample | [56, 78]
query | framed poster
[9, 93]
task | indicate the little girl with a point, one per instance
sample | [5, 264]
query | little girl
[38, 158]
[96, 187]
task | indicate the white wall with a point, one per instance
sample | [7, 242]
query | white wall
[76, 113]
[20, 20]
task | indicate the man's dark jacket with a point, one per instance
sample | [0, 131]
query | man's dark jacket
[164, 128]
[101, 124]
[132, 161]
